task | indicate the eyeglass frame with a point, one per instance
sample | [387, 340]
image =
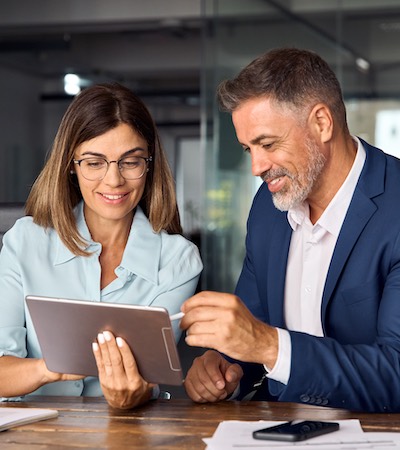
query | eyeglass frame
[117, 161]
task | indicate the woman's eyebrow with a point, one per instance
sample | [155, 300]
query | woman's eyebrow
[133, 150]
[128, 152]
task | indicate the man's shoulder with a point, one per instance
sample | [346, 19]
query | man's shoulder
[375, 155]
[381, 173]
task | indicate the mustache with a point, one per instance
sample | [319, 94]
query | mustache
[275, 173]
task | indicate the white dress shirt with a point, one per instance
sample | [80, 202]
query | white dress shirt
[310, 254]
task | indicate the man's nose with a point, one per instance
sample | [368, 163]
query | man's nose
[259, 162]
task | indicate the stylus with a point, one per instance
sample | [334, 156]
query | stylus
[176, 316]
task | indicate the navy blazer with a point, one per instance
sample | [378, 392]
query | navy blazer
[356, 365]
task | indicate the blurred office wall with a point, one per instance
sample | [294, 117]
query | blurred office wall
[173, 54]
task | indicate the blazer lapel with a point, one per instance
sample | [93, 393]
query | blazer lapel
[277, 261]
[370, 184]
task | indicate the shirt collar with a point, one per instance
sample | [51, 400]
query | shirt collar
[63, 254]
[333, 217]
[142, 251]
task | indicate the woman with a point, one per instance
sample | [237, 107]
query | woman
[102, 224]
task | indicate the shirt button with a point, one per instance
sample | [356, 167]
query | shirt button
[308, 289]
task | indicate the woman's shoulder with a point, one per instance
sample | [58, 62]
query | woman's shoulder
[25, 224]
[176, 247]
[177, 241]
[25, 230]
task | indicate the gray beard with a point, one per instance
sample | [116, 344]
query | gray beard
[301, 186]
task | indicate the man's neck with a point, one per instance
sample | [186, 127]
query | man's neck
[339, 163]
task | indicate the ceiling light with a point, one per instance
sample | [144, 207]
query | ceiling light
[72, 84]
[363, 64]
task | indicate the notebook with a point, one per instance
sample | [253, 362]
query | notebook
[13, 417]
[66, 329]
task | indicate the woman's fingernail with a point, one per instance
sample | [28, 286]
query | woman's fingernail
[107, 335]
[95, 346]
[119, 341]
[100, 338]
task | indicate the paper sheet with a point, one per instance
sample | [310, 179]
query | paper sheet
[238, 435]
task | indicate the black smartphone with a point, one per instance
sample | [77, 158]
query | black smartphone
[296, 431]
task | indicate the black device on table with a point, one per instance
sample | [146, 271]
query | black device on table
[295, 430]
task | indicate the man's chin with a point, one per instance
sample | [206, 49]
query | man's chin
[284, 203]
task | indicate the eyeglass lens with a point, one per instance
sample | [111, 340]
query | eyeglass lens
[131, 167]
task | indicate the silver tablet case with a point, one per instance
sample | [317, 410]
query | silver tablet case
[66, 329]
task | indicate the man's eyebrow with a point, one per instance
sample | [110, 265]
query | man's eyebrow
[261, 137]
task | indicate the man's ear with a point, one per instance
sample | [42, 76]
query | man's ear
[321, 122]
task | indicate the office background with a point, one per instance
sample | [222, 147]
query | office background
[173, 54]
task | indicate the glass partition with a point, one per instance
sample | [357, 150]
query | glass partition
[349, 36]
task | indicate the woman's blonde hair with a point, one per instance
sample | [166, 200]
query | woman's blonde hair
[92, 113]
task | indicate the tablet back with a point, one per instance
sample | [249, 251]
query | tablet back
[66, 329]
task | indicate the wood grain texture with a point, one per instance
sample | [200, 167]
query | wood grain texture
[89, 423]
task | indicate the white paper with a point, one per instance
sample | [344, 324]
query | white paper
[238, 435]
[12, 417]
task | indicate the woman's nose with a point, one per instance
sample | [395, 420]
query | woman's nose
[113, 176]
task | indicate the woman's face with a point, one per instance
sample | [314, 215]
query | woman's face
[113, 198]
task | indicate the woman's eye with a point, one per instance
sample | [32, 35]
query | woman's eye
[95, 164]
[129, 164]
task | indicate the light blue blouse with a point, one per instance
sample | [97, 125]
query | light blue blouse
[157, 269]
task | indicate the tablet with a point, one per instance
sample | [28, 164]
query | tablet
[66, 329]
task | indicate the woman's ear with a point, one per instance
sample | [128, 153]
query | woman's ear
[321, 122]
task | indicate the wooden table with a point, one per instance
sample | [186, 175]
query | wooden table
[88, 423]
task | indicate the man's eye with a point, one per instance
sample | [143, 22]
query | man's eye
[267, 146]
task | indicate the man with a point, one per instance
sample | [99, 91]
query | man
[316, 313]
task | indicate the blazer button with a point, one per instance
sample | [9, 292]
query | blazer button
[305, 398]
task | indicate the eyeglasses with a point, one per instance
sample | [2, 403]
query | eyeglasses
[130, 167]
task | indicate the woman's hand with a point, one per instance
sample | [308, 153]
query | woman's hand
[122, 385]
[21, 376]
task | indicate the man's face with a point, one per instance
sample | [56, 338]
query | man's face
[282, 152]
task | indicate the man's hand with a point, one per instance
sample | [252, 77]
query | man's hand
[222, 322]
[212, 378]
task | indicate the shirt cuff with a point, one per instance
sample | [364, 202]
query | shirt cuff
[281, 370]
[155, 392]
[234, 394]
